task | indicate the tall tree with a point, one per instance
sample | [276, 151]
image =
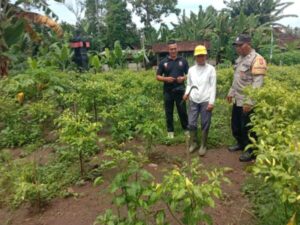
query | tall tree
[152, 10]
[119, 24]
[94, 14]
[77, 9]
[268, 11]
[93, 24]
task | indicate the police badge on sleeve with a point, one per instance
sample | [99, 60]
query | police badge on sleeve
[259, 66]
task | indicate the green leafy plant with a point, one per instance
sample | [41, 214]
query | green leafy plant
[24, 124]
[186, 194]
[95, 63]
[79, 133]
[183, 191]
[138, 58]
[122, 160]
[62, 55]
[115, 58]
[149, 131]
[277, 124]
[287, 58]
[134, 195]
[267, 206]
[30, 188]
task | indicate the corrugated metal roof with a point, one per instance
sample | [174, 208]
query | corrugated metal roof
[182, 46]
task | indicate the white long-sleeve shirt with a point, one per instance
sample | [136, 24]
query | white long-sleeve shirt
[205, 79]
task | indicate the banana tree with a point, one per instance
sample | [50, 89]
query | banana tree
[14, 21]
[197, 26]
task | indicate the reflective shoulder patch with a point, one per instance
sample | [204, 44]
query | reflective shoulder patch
[259, 66]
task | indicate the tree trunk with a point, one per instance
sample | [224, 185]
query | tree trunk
[95, 110]
[81, 164]
[4, 66]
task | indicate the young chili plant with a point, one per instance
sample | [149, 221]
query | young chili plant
[79, 134]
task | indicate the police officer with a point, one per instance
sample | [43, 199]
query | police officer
[172, 71]
[249, 70]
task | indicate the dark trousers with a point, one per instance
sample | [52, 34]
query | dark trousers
[240, 126]
[195, 110]
[171, 97]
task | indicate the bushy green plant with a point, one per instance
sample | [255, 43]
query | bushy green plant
[189, 190]
[22, 181]
[95, 63]
[224, 82]
[289, 58]
[115, 58]
[56, 55]
[286, 75]
[185, 192]
[277, 124]
[149, 131]
[23, 124]
[220, 126]
[267, 206]
[134, 195]
[122, 159]
[28, 187]
[79, 133]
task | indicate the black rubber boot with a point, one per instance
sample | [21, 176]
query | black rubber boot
[247, 156]
[235, 148]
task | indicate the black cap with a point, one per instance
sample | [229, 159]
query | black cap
[241, 39]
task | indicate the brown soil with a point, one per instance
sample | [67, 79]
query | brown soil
[90, 201]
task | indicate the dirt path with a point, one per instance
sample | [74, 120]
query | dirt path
[233, 209]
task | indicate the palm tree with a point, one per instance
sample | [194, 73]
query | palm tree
[268, 11]
[165, 33]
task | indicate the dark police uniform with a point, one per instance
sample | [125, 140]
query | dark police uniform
[173, 92]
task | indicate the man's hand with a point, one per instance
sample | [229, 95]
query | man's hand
[180, 79]
[210, 107]
[229, 99]
[169, 79]
[247, 108]
[185, 97]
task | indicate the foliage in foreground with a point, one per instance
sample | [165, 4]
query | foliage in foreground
[277, 123]
[124, 102]
[184, 193]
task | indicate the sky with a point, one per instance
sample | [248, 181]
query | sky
[189, 5]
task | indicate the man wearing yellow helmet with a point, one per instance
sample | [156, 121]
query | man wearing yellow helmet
[201, 91]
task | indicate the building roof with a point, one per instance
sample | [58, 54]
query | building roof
[182, 46]
[283, 37]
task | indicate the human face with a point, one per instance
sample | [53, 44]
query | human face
[242, 49]
[200, 59]
[173, 50]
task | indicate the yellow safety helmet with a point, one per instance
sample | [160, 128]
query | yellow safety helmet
[200, 50]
